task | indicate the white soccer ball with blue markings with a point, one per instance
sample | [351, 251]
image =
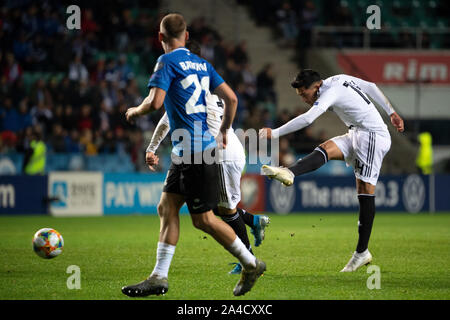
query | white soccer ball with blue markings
[48, 243]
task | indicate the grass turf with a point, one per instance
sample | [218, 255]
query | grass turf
[304, 254]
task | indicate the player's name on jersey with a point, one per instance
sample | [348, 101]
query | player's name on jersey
[193, 65]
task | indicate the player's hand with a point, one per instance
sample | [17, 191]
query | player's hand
[397, 122]
[222, 140]
[131, 114]
[151, 159]
[265, 133]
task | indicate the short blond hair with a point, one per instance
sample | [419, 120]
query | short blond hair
[173, 26]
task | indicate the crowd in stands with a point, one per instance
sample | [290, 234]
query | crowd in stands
[82, 110]
[292, 22]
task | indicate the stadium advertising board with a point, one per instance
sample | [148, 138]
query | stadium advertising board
[397, 67]
[253, 193]
[440, 192]
[23, 194]
[79, 193]
[132, 193]
[393, 193]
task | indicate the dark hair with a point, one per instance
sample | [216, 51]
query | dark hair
[173, 26]
[194, 47]
[305, 78]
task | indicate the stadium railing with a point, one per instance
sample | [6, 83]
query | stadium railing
[388, 37]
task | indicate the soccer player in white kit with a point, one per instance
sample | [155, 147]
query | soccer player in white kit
[363, 147]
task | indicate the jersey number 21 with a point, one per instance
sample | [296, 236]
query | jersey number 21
[199, 86]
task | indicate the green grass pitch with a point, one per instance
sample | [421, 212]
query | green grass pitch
[304, 254]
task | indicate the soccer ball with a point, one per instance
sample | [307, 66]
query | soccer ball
[48, 243]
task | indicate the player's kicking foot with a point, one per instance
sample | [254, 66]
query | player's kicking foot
[284, 175]
[151, 285]
[237, 268]
[259, 224]
[358, 260]
[248, 278]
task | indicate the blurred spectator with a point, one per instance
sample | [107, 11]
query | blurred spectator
[87, 22]
[42, 116]
[308, 18]
[87, 143]
[286, 156]
[73, 142]
[57, 139]
[12, 70]
[77, 70]
[85, 119]
[265, 83]
[35, 155]
[240, 55]
[109, 143]
[125, 73]
[9, 116]
[287, 23]
[24, 117]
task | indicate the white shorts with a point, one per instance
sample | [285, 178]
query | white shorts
[364, 150]
[230, 183]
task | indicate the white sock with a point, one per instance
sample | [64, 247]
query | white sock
[164, 255]
[246, 258]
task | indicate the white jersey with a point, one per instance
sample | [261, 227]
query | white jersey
[234, 150]
[214, 109]
[346, 96]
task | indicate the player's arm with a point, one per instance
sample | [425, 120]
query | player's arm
[376, 94]
[161, 131]
[295, 124]
[319, 107]
[152, 102]
[224, 92]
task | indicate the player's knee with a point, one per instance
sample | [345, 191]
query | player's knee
[201, 222]
[165, 209]
[364, 187]
[225, 211]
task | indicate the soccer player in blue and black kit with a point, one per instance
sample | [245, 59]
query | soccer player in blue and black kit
[180, 81]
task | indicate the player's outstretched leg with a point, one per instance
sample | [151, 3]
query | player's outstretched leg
[284, 175]
[257, 223]
[236, 222]
[311, 162]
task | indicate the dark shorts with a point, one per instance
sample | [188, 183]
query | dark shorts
[198, 183]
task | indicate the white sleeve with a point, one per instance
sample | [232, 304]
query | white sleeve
[375, 93]
[298, 123]
[161, 131]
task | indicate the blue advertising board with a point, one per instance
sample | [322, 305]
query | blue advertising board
[23, 194]
[309, 194]
[441, 192]
[133, 193]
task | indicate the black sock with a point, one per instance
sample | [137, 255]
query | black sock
[246, 216]
[311, 162]
[366, 217]
[236, 222]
